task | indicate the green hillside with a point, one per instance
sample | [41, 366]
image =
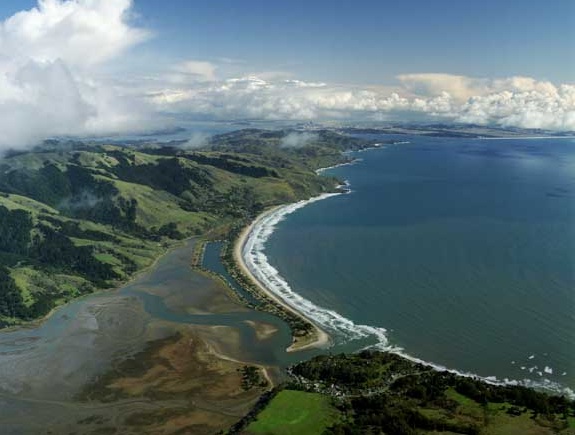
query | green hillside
[76, 217]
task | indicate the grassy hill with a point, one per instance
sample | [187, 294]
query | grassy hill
[76, 217]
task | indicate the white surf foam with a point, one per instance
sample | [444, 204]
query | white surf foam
[322, 170]
[342, 329]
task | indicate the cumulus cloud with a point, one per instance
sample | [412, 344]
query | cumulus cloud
[510, 102]
[458, 87]
[461, 88]
[79, 32]
[48, 55]
[542, 107]
[515, 101]
[43, 99]
[254, 97]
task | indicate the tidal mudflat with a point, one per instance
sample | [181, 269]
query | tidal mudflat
[163, 353]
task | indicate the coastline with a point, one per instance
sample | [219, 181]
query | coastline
[320, 338]
[361, 331]
[320, 171]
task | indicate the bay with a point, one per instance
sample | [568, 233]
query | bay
[463, 249]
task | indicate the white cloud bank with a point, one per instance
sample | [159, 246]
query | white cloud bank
[52, 59]
[48, 56]
[516, 101]
[298, 140]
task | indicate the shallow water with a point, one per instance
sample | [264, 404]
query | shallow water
[44, 367]
[212, 261]
[464, 250]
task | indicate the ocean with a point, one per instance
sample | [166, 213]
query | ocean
[456, 252]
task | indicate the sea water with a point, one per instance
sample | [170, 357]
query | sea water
[457, 252]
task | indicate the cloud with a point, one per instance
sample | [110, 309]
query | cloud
[458, 87]
[273, 76]
[297, 140]
[48, 58]
[196, 140]
[78, 32]
[543, 106]
[514, 101]
[194, 70]
[509, 102]
[42, 100]
[461, 88]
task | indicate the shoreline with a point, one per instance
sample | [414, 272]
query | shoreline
[320, 171]
[321, 338]
[551, 387]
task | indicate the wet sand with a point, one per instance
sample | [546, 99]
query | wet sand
[263, 330]
[190, 384]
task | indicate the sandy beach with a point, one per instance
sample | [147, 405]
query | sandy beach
[320, 338]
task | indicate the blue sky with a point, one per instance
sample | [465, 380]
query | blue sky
[364, 41]
[371, 41]
[80, 67]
